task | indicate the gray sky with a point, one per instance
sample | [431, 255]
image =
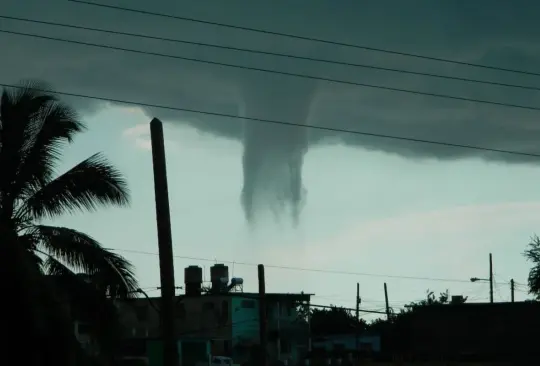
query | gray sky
[372, 205]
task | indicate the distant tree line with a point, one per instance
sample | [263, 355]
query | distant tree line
[338, 320]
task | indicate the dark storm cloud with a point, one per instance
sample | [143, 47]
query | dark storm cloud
[490, 32]
[498, 33]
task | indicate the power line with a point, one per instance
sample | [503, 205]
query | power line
[299, 268]
[268, 53]
[306, 38]
[347, 309]
[281, 123]
[291, 74]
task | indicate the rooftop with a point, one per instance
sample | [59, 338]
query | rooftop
[269, 295]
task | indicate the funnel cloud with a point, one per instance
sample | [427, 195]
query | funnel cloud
[273, 155]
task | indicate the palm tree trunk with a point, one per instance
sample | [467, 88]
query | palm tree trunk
[39, 334]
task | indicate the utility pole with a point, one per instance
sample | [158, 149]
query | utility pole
[357, 341]
[166, 265]
[262, 316]
[512, 290]
[279, 331]
[309, 326]
[386, 301]
[490, 278]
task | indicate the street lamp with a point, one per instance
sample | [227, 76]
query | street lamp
[476, 279]
[490, 280]
[512, 285]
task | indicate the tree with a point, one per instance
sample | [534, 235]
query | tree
[430, 300]
[42, 261]
[335, 320]
[532, 253]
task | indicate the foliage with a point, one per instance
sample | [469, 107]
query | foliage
[337, 320]
[532, 253]
[333, 320]
[42, 260]
[430, 300]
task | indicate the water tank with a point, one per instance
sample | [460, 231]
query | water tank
[237, 281]
[193, 277]
[219, 276]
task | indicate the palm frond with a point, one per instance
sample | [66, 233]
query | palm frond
[92, 183]
[19, 110]
[110, 271]
[55, 126]
[532, 253]
[34, 126]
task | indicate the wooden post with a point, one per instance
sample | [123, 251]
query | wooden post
[490, 278]
[386, 301]
[357, 340]
[512, 286]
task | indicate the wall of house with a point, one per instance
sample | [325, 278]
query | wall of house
[206, 316]
[231, 321]
[283, 322]
[245, 330]
[245, 326]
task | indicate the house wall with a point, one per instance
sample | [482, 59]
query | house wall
[198, 317]
[231, 321]
[245, 327]
[245, 319]
[292, 337]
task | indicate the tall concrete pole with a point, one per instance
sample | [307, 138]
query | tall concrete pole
[263, 337]
[166, 265]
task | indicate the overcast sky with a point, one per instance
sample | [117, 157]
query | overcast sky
[371, 206]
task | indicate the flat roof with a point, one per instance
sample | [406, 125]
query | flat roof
[269, 295]
[272, 296]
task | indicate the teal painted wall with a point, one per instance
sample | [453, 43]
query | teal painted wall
[245, 319]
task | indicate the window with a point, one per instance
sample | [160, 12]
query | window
[208, 306]
[248, 304]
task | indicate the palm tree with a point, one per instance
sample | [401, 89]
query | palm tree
[40, 263]
[533, 255]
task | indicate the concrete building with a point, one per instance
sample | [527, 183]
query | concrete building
[226, 316]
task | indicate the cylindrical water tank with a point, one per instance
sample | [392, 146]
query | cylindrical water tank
[193, 277]
[219, 276]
